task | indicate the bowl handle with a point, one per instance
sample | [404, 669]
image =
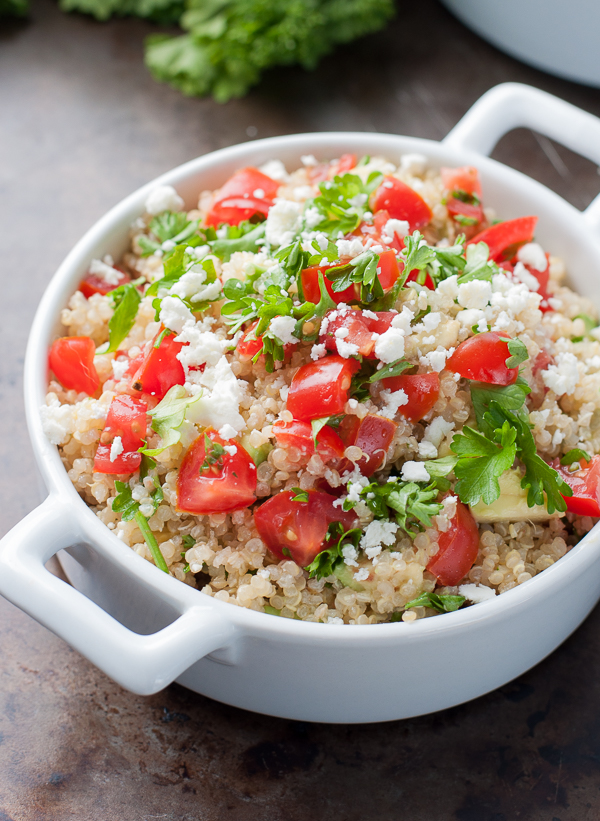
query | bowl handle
[143, 664]
[514, 105]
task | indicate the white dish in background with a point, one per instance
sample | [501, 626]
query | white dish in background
[551, 35]
[145, 629]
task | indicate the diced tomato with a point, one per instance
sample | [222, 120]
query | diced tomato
[458, 208]
[585, 484]
[459, 546]
[321, 388]
[312, 292]
[327, 171]
[71, 359]
[297, 530]
[345, 164]
[95, 284]
[422, 389]
[388, 269]
[374, 230]
[504, 238]
[373, 435]
[160, 369]
[248, 345]
[414, 275]
[299, 435]
[541, 362]
[226, 485]
[483, 358]
[465, 178]
[381, 322]
[126, 419]
[248, 192]
[401, 202]
[358, 331]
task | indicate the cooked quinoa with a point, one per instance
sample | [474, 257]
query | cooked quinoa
[373, 577]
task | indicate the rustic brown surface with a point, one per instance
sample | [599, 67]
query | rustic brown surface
[81, 125]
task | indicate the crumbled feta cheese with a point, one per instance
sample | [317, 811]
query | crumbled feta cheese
[230, 449]
[227, 432]
[413, 163]
[117, 448]
[282, 327]
[523, 275]
[448, 287]
[362, 575]
[175, 315]
[390, 345]
[168, 245]
[283, 222]
[312, 218]
[341, 333]
[346, 349]
[414, 472]
[276, 170]
[512, 297]
[334, 620]
[429, 340]
[392, 400]
[163, 198]
[503, 322]
[470, 317]
[189, 284]
[563, 376]
[403, 319]
[200, 347]
[318, 351]
[220, 407]
[350, 554]
[476, 593]
[258, 193]
[427, 450]
[106, 272]
[474, 294]
[432, 320]
[303, 192]
[308, 160]
[437, 431]
[58, 421]
[376, 535]
[209, 293]
[349, 247]
[395, 228]
[119, 367]
[355, 486]
[436, 360]
[533, 254]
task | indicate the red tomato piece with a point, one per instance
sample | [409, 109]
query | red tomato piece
[458, 208]
[71, 359]
[312, 292]
[299, 435]
[248, 192]
[373, 435]
[388, 269]
[422, 389]
[483, 358]
[465, 178]
[248, 345]
[359, 333]
[541, 362]
[160, 369]
[95, 284]
[321, 388]
[344, 165]
[382, 321]
[504, 238]
[401, 202]
[585, 484]
[299, 528]
[414, 275]
[459, 546]
[126, 419]
[227, 485]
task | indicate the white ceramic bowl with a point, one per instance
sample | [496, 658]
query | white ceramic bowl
[551, 35]
[145, 629]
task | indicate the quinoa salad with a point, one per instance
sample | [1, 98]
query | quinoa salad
[348, 393]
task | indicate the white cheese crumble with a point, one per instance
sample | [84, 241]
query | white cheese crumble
[432, 320]
[276, 170]
[227, 432]
[526, 277]
[200, 346]
[390, 345]
[395, 228]
[175, 315]
[362, 575]
[413, 163]
[119, 366]
[436, 360]
[105, 272]
[350, 554]
[448, 287]
[283, 222]
[476, 593]
[58, 421]
[563, 376]
[349, 247]
[376, 535]
[403, 319]
[230, 449]
[414, 472]
[190, 283]
[474, 294]
[533, 254]
[116, 449]
[318, 351]
[308, 160]
[220, 407]
[346, 349]
[312, 218]
[282, 327]
[392, 400]
[163, 198]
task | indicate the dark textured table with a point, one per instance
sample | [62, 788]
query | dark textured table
[81, 125]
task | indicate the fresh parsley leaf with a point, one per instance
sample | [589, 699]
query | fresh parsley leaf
[168, 224]
[361, 270]
[129, 509]
[442, 602]
[317, 426]
[478, 266]
[575, 455]
[511, 397]
[393, 369]
[417, 254]
[213, 456]
[126, 299]
[272, 611]
[343, 202]
[481, 462]
[168, 416]
[188, 541]
[518, 351]
[299, 495]
[245, 237]
[410, 504]
[325, 562]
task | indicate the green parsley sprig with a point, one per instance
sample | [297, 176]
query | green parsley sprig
[125, 504]
[325, 562]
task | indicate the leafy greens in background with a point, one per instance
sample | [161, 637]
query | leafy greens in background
[229, 43]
